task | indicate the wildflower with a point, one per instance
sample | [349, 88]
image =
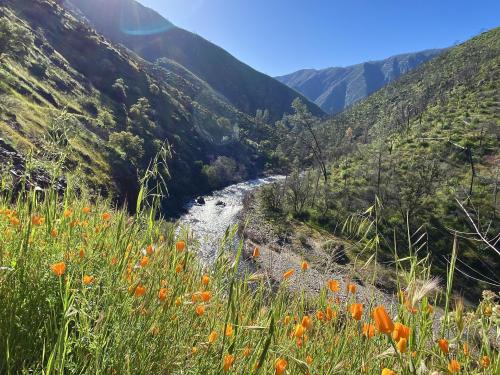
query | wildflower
[485, 361]
[180, 245]
[162, 294]
[150, 250]
[205, 296]
[401, 345]
[205, 280]
[304, 266]
[368, 330]
[286, 319]
[256, 252]
[229, 330]
[212, 337]
[280, 366]
[67, 213]
[87, 280]
[106, 216]
[178, 301]
[194, 350]
[53, 232]
[247, 351]
[334, 286]
[288, 273]
[179, 267]
[454, 366]
[466, 349]
[58, 268]
[14, 221]
[86, 210]
[309, 360]
[139, 291]
[320, 315]
[299, 330]
[114, 261]
[383, 322]
[228, 361]
[306, 322]
[443, 344]
[330, 314]
[387, 371]
[37, 220]
[200, 310]
[81, 253]
[351, 288]
[144, 261]
[400, 331]
[356, 310]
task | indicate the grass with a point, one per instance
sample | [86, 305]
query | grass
[86, 288]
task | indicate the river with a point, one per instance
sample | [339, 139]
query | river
[208, 222]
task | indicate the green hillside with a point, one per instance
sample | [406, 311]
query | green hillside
[153, 37]
[421, 145]
[66, 90]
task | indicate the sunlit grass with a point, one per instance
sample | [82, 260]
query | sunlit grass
[87, 288]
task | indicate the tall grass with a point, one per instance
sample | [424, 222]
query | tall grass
[133, 299]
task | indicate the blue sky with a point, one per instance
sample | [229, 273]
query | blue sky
[281, 36]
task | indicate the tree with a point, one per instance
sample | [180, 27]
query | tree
[141, 113]
[120, 89]
[128, 145]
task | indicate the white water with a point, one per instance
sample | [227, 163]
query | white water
[209, 222]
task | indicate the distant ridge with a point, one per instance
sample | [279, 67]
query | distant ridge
[334, 89]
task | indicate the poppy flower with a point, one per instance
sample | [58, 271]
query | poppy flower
[205, 280]
[180, 245]
[179, 267]
[194, 350]
[67, 213]
[256, 252]
[228, 361]
[200, 310]
[212, 337]
[299, 330]
[139, 291]
[286, 319]
[306, 322]
[178, 301]
[81, 253]
[288, 273]
[144, 261]
[356, 310]
[304, 266]
[247, 351]
[37, 220]
[466, 349]
[86, 210]
[400, 331]
[150, 250]
[401, 345]
[162, 294]
[334, 286]
[387, 371]
[14, 221]
[485, 361]
[454, 366]
[443, 344]
[383, 322]
[106, 216]
[330, 314]
[205, 296]
[53, 232]
[280, 366]
[87, 280]
[320, 315]
[351, 288]
[58, 268]
[309, 360]
[368, 330]
[229, 330]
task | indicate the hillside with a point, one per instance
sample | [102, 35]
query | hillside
[335, 89]
[421, 145]
[153, 37]
[68, 95]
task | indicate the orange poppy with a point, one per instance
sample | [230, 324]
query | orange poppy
[106, 216]
[368, 330]
[205, 279]
[286, 319]
[139, 290]
[179, 267]
[351, 288]
[320, 315]
[280, 366]
[150, 250]
[87, 280]
[330, 314]
[67, 213]
[443, 344]
[212, 337]
[180, 245]
[205, 296]
[383, 322]
[229, 330]
[58, 268]
[334, 285]
[247, 351]
[356, 310]
[256, 252]
[37, 220]
[466, 349]
[454, 366]
[387, 371]
[306, 322]
[162, 294]
[81, 253]
[288, 273]
[53, 232]
[485, 361]
[309, 360]
[86, 210]
[299, 330]
[200, 310]
[178, 301]
[304, 266]
[228, 361]
[144, 261]
[401, 345]
[400, 331]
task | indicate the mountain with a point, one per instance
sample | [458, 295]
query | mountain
[70, 98]
[153, 37]
[334, 89]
